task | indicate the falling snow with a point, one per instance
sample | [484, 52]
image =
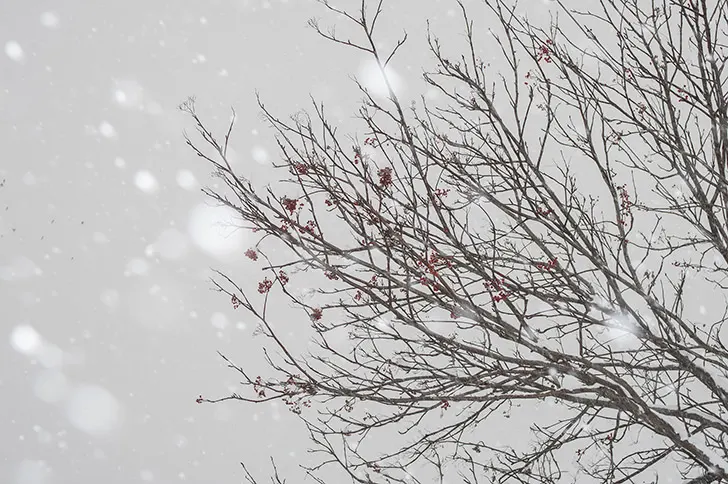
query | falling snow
[107, 130]
[378, 82]
[25, 339]
[260, 155]
[14, 51]
[214, 230]
[186, 179]
[146, 182]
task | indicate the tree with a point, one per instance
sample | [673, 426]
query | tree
[556, 231]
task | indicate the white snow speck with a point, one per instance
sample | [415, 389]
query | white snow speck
[51, 386]
[260, 155]
[49, 19]
[25, 339]
[186, 180]
[146, 475]
[92, 409]
[14, 51]
[107, 130]
[119, 162]
[146, 182]
[215, 230]
[171, 244]
[376, 82]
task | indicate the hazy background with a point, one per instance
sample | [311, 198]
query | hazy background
[106, 243]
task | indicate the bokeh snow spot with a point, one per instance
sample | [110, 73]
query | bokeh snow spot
[14, 51]
[25, 339]
[136, 266]
[260, 155]
[623, 330]
[146, 182]
[146, 475]
[93, 409]
[219, 321]
[186, 180]
[128, 94]
[216, 231]
[375, 82]
[180, 441]
[29, 178]
[49, 20]
[107, 130]
[383, 324]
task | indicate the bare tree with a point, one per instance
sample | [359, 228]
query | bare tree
[554, 231]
